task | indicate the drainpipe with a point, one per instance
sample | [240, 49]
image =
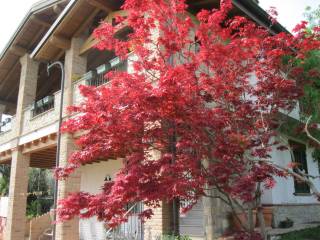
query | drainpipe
[55, 196]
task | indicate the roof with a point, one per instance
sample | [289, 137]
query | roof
[248, 7]
[255, 12]
[36, 7]
[74, 19]
[27, 35]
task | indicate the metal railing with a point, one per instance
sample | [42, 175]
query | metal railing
[130, 230]
[42, 105]
[97, 77]
[6, 124]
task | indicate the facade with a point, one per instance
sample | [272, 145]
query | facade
[29, 106]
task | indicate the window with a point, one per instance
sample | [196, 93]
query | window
[300, 157]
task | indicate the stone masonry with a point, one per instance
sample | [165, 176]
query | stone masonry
[75, 66]
[16, 220]
[299, 214]
[160, 223]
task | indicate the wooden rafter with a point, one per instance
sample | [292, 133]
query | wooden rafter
[86, 22]
[12, 70]
[7, 104]
[60, 42]
[100, 5]
[40, 144]
[40, 21]
[37, 36]
[57, 9]
[18, 50]
[92, 41]
[201, 2]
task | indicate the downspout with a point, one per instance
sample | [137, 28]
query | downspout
[55, 197]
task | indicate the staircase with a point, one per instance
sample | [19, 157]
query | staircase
[130, 230]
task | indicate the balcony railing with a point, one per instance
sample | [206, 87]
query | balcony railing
[97, 76]
[42, 105]
[6, 125]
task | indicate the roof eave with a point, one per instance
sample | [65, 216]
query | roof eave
[51, 30]
[34, 8]
[254, 11]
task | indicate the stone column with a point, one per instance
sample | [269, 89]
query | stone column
[160, 224]
[16, 220]
[27, 88]
[215, 216]
[209, 221]
[75, 67]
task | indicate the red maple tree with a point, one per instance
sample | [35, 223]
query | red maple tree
[199, 110]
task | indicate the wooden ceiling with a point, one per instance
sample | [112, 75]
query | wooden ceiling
[29, 33]
[76, 22]
[45, 159]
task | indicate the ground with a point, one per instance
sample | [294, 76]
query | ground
[307, 234]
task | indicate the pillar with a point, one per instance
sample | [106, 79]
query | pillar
[16, 219]
[27, 88]
[160, 224]
[75, 67]
[209, 212]
[215, 216]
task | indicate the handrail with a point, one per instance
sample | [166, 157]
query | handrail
[5, 123]
[132, 230]
[42, 105]
[126, 214]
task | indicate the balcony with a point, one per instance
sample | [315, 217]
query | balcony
[42, 105]
[41, 117]
[41, 114]
[6, 125]
[97, 76]
[7, 132]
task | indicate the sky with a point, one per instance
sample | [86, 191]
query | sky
[290, 11]
[13, 11]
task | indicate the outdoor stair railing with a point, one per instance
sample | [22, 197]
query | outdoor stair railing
[130, 230]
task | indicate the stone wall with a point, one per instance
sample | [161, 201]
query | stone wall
[77, 97]
[300, 214]
[39, 225]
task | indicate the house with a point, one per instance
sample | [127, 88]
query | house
[30, 99]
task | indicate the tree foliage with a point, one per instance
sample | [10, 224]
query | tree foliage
[40, 192]
[4, 179]
[199, 110]
[313, 16]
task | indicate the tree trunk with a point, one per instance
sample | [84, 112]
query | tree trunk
[261, 217]
[175, 217]
[250, 218]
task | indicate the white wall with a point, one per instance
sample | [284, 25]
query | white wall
[92, 179]
[93, 175]
[283, 192]
[4, 203]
